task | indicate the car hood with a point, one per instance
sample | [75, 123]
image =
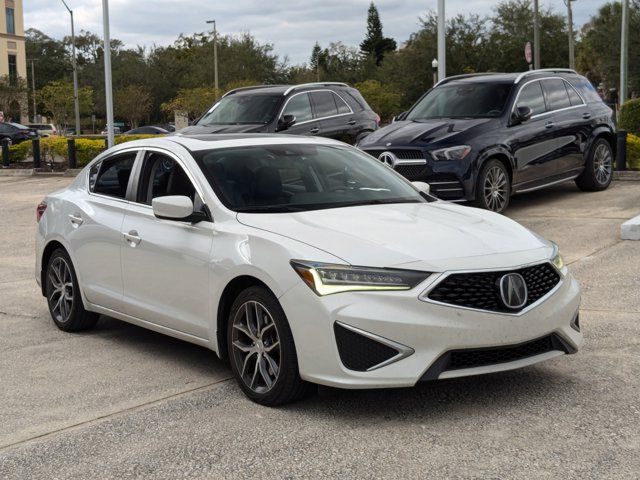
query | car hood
[432, 237]
[429, 131]
[206, 129]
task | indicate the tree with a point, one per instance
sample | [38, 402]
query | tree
[57, 98]
[381, 98]
[375, 43]
[13, 94]
[132, 102]
[192, 101]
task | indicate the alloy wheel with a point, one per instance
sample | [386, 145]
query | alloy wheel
[256, 346]
[60, 289]
[495, 189]
[602, 163]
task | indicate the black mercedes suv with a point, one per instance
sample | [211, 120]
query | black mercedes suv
[484, 137]
[333, 110]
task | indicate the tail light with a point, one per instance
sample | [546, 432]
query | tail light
[377, 119]
[42, 206]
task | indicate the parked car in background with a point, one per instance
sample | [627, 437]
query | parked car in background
[106, 132]
[484, 137]
[333, 110]
[16, 133]
[147, 130]
[44, 129]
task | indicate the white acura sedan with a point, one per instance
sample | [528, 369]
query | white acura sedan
[302, 261]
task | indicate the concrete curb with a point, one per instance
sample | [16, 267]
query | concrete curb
[16, 172]
[630, 230]
[627, 175]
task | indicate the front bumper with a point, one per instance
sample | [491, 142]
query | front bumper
[430, 330]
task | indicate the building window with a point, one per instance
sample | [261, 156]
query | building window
[11, 24]
[13, 68]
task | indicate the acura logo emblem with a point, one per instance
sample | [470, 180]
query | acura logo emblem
[513, 291]
[388, 158]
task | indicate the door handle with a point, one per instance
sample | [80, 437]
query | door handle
[351, 122]
[586, 115]
[549, 125]
[314, 131]
[132, 238]
[76, 220]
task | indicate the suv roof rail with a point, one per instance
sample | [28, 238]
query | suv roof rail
[544, 70]
[315, 84]
[256, 87]
[466, 75]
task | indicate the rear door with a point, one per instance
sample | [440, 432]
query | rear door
[336, 119]
[299, 105]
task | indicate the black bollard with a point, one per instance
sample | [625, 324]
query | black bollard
[621, 150]
[71, 150]
[5, 152]
[35, 146]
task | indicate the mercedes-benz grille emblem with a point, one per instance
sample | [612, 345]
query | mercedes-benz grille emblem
[513, 291]
[389, 158]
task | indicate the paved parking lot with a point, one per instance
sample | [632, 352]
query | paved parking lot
[121, 402]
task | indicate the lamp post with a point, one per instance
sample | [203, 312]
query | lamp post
[107, 73]
[76, 101]
[33, 89]
[536, 35]
[624, 52]
[215, 57]
[442, 57]
[434, 68]
[572, 56]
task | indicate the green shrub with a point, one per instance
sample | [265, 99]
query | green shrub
[127, 138]
[633, 152]
[19, 152]
[381, 98]
[630, 116]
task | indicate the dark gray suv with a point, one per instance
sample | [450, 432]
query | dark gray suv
[333, 110]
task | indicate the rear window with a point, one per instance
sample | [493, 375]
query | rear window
[555, 94]
[355, 99]
[586, 89]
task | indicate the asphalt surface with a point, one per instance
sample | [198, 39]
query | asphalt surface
[123, 402]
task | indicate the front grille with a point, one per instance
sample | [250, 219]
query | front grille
[411, 172]
[480, 290]
[400, 154]
[358, 352]
[482, 357]
[445, 186]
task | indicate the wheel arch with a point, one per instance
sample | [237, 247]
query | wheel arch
[602, 132]
[49, 248]
[497, 153]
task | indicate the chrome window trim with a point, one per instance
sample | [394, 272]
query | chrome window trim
[424, 296]
[540, 115]
[403, 350]
[310, 102]
[314, 84]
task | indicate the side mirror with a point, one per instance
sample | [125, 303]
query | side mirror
[173, 207]
[522, 114]
[399, 117]
[286, 121]
[422, 187]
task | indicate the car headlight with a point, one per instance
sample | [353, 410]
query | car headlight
[325, 279]
[451, 153]
[556, 258]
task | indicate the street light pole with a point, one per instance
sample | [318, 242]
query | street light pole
[107, 73]
[624, 52]
[442, 56]
[434, 67]
[33, 89]
[76, 100]
[215, 57]
[536, 35]
[572, 55]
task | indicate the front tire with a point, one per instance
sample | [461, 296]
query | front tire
[261, 349]
[63, 295]
[598, 168]
[493, 190]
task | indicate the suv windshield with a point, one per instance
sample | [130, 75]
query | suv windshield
[299, 177]
[242, 109]
[462, 100]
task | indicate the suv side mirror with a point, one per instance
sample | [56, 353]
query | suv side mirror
[286, 121]
[522, 114]
[399, 117]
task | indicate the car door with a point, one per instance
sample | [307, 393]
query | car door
[299, 105]
[325, 109]
[533, 142]
[94, 229]
[165, 263]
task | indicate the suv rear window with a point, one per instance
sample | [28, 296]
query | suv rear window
[555, 94]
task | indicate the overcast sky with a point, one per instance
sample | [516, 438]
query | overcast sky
[292, 26]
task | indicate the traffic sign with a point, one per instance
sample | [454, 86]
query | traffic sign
[528, 52]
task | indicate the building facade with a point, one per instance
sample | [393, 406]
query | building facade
[13, 61]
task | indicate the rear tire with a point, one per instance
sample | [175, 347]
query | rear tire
[63, 295]
[261, 349]
[598, 168]
[493, 190]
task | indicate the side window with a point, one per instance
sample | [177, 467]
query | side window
[300, 107]
[574, 98]
[325, 105]
[93, 175]
[555, 94]
[113, 176]
[342, 106]
[531, 96]
[163, 176]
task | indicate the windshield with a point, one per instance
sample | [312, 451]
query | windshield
[462, 100]
[293, 178]
[242, 109]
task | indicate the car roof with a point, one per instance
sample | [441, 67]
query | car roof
[515, 77]
[283, 89]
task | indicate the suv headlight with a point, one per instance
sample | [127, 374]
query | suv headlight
[325, 279]
[451, 153]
